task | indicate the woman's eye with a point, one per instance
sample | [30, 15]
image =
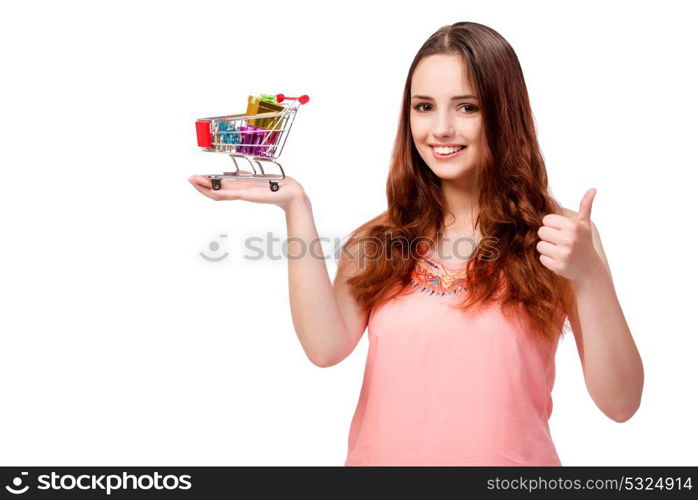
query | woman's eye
[470, 107]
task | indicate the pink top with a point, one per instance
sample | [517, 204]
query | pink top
[445, 387]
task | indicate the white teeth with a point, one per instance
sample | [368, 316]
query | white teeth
[447, 151]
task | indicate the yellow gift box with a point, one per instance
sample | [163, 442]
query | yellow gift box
[257, 106]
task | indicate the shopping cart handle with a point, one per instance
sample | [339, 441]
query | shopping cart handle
[302, 99]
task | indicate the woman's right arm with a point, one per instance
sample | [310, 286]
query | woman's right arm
[328, 321]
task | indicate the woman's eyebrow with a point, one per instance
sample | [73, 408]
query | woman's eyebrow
[452, 98]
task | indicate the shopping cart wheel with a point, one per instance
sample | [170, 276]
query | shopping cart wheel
[216, 184]
[274, 186]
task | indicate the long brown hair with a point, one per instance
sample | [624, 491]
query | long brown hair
[513, 195]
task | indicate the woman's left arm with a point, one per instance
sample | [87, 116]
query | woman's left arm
[571, 246]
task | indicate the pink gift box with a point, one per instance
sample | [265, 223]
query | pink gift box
[256, 141]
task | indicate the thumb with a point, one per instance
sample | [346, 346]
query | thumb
[584, 214]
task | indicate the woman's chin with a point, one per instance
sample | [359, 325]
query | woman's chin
[447, 173]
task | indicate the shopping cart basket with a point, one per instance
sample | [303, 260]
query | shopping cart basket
[256, 138]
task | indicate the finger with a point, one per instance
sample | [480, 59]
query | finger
[206, 191]
[547, 248]
[557, 221]
[552, 235]
[584, 213]
[241, 184]
[547, 262]
[200, 180]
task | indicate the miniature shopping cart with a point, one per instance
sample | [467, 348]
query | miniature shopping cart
[257, 138]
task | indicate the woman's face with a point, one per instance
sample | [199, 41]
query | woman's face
[444, 110]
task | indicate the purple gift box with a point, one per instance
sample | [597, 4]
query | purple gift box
[251, 136]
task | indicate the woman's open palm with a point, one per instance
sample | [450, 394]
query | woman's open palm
[254, 190]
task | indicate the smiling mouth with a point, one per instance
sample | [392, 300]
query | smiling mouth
[440, 156]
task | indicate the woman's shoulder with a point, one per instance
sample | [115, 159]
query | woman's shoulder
[352, 247]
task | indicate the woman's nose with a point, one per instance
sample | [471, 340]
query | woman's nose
[443, 125]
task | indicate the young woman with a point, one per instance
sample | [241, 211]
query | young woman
[465, 281]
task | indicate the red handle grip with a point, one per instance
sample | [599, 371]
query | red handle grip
[302, 99]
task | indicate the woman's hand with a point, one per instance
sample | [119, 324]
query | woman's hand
[567, 246]
[255, 190]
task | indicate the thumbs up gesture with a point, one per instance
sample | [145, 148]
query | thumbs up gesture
[566, 246]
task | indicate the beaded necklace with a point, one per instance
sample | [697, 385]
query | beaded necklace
[434, 277]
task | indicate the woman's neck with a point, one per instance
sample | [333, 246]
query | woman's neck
[461, 205]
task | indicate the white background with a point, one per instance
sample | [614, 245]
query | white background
[122, 346]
